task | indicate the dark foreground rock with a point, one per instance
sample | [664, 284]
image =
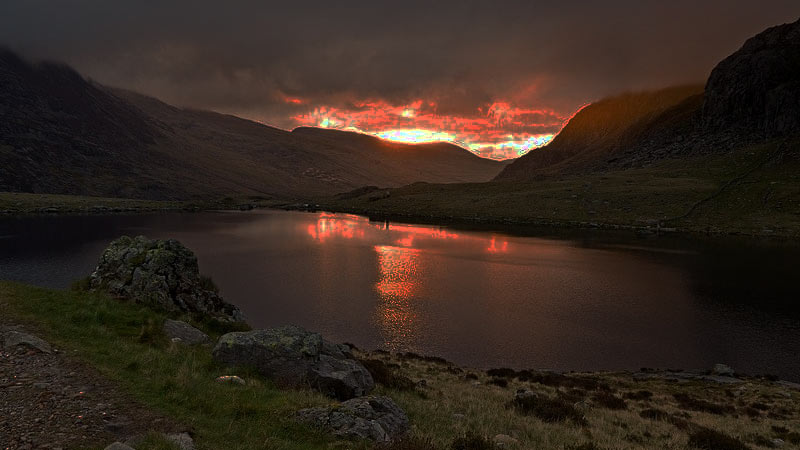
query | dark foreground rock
[187, 334]
[375, 418]
[294, 357]
[162, 273]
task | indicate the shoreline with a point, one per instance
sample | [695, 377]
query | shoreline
[52, 205]
[444, 402]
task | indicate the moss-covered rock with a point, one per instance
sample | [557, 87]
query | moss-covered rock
[162, 273]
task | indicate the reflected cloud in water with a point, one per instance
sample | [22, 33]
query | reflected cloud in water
[398, 257]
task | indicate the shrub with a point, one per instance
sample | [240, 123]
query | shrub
[609, 401]
[654, 414]
[208, 284]
[152, 333]
[585, 446]
[638, 395]
[81, 285]
[549, 410]
[559, 380]
[708, 439]
[686, 401]
[382, 374]
[503, 372]
[472, 442]
[502, 382]
[408, 443]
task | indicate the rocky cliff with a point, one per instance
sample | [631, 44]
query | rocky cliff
[757, 89]
[752, 96]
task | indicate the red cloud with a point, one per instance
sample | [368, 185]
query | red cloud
[499, 131]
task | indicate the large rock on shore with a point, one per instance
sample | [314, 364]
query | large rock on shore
[163, 273]
[375, 418]
[294, 357]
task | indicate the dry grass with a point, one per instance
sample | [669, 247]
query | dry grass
[655, 415]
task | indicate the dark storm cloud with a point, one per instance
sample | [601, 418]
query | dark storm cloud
[249, 57]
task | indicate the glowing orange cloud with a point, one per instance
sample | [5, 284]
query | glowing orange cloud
[499, 130]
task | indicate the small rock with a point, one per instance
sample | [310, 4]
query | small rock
[504, 441]
[458, 416]
[524, 394]
[232, 379]
[375, 418]
[722, 369]
[119, 446]
[182, 440]
[14, 338]
[176, 329]
[776, 443]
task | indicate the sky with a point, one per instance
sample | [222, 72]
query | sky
[497, 77]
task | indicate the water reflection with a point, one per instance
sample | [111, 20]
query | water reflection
[396, 286]
[329, 225]
[482, 299]
[399, 252]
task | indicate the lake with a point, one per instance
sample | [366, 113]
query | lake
[587, 300]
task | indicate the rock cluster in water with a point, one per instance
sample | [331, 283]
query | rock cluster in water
[293, 356]
[162, 273]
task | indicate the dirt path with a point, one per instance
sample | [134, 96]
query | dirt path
[51, 401]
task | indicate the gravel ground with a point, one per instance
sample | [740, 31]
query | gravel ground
[50, 401]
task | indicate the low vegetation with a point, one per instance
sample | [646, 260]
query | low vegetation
[753, 191]
[449, 407]
[27, 204]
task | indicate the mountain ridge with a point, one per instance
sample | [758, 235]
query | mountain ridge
[63, 134]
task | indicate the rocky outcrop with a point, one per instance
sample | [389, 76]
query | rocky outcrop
[182, 332]
[757, 88]
[161, 273]
[293, 356]
[375, 418]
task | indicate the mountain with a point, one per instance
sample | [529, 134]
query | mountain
[752, 96]
[60, 133]
[724, 157]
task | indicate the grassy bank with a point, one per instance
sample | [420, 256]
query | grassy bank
[15, 203]
[451, 408]
[753, 191]
[124, 342]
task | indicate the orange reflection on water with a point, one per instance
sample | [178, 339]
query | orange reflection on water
[396, 286]
[328, 225]
[495, 248]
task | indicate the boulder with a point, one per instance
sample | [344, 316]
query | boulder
[504, 441]
[181, 440]
[231, 379]
[162, 273]
[722, 369]
[293, 357]
[375, 418]
[119, 446]
[11, 339]
[176, 329]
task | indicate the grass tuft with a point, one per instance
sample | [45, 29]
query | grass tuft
[708, 439]
[549, 409]
[472, 442]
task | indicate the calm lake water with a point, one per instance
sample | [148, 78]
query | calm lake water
[591, 301]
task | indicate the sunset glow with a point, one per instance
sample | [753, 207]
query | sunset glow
[499, 130]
